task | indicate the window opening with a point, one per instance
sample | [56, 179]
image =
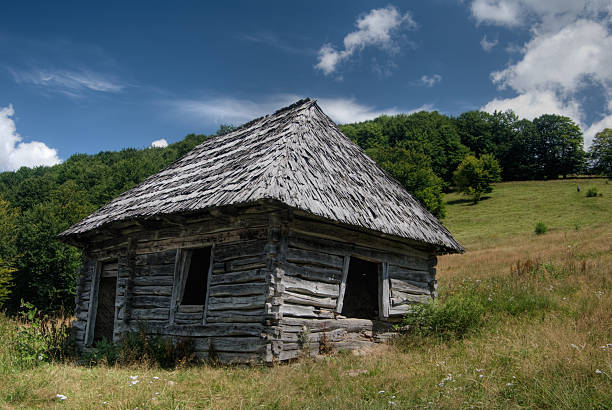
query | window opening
[361, 294]
[194, 292]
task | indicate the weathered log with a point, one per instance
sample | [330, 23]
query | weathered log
[236, 303]
[301, 299]
[150, 301]
[304, 311]
[167, 280]
[216, 329]
[309, 287]
[256, 275]
[152, 290]
[409, 286]
[302, 256]
[400, 298]
[242, 289]
[398, 272]
[148, 314]
[226, 252]
[230, 344]
[314, 273]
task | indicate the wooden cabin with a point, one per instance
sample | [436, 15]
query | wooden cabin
[260, 243]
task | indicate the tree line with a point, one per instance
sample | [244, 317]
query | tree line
[423, 151]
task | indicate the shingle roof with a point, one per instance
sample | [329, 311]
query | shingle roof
[297, 156]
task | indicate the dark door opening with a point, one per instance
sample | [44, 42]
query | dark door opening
[197, 277]
[105, 311]
[361, 293]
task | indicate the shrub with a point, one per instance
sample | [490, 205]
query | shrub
[142, 347]
[453, 318]
[40, 338]
[593, 192]
[540, 228]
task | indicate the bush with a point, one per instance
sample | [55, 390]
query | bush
[540, 228]
[142, 347]
[593, 192]
[453, 318]
[42, 339]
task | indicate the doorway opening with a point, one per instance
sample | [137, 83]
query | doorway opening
[361, 293]
[194, 292]
[105, 310]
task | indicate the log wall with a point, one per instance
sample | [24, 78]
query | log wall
[275, 285]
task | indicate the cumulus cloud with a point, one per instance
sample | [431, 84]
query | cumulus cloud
[430, 80]
[533, 104]
[375, 29]
[566, 56]
[237, 111]
[68, 82]
[14, 153]
[160, 143]
[488, 45]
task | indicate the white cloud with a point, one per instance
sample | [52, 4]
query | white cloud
[533, 104]
[14, 153]
[374, 29]
[237, 111]
[430, 80]
[505, 13]
[562, 60]
[488, 45]
[68, 82]
[566, 58]
[160, 143]
[551, 14]
[596, 127]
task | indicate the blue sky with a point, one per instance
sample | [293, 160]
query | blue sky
[82, 77]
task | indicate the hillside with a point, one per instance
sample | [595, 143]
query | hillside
[523, 321]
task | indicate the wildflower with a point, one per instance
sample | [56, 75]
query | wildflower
[61, 397]
[134, 382]
[479, 370]
[381, 392]
[155, 378]
[509, 384]
[156, 393]
[133, 377]
[392, 403]
[598, 371]
[481, 376]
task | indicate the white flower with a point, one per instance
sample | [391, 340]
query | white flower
[381, 392]
[481, 376]
[133, 377]
[479, 370]
[392, 403]
[598, 371]
[134, 382]
[61, 397]
[155, 378]
[156, 393]
[509, 384]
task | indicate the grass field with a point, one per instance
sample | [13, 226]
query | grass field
[544, 341]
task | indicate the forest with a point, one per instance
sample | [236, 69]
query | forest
[421, 150]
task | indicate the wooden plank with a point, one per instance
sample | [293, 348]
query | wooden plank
[350, 325]
[152, 290]
[315, 273]
[302, 256]
[230, 344]
[384, 286]
[208, 280]
[190, 309]
[400, 298]
[150, 301]
[236, 303]
[300, 299]
[240, 289]
[226, 252]
[398, 272]
[176, 279]
[167, 280]
[342, 290]
[256, 275]
[150, 314]
[308, 287]
[158, 258]
[91, 313]
[217, 329]
[304, 311]
[409, 287]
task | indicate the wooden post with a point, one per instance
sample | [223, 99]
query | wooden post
[176, 281]
[208, 280]
[383, 276]
[345, 269]
[93, 305]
